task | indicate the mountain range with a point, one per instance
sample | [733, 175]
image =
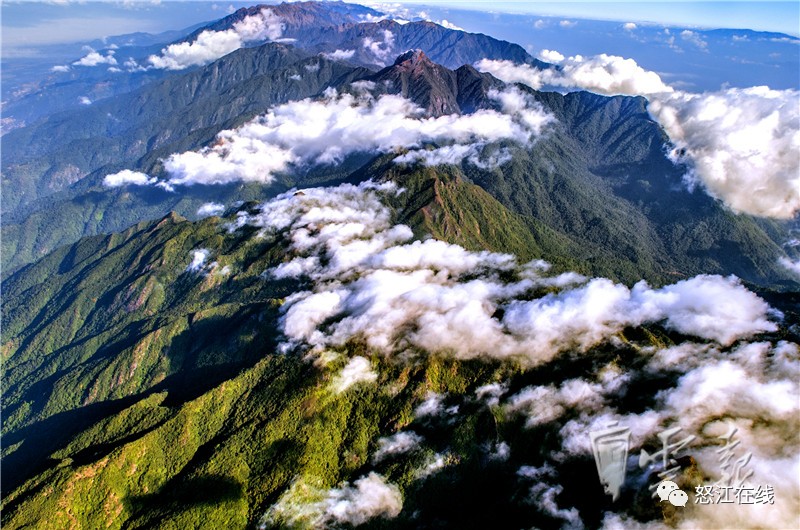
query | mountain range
[371, 339]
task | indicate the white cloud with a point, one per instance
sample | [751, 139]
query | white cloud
[604, 74]
[399, 443]
[754, 387]
[491, 393]
[629, 26]
[567, 23]
[210, 45]
[543, 495]
[83, 100]
[449, 25]
[295, 77]
[371, 497]
[434, 464]
[327, 130]
[369, 283]
[742, 145]
[551, 56]
[126, 176]
[199, 258]
[433, 405]
[694, 38]
[308, 505]
[366, 282]
[131, 65]
[382, 49]
[340, 55]
[540, 24]
[94, 58]
[60, 68]
[357, 370]
[210, 208]
[543, 404]
[791, 265]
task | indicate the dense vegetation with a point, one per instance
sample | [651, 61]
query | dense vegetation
[141, 392]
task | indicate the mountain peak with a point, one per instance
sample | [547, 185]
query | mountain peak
[415, 57]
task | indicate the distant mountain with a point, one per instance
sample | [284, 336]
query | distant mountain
[61, 150]
[319, 27]
[450, 48]
[299, 17]
[598, 188]
[32, 90]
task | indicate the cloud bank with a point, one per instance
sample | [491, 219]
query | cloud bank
[210, 45]
[327, 130]
[370, 283]
[365, 280]
[741, 145]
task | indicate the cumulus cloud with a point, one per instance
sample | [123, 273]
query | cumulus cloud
[340, 55]
[629, 26]
[326, 130]
[567, 23]
[210, 208]
[694, 38]
[364, 279]
[210, 45]
[126, 176]
[370, 283]
[83, 100]
[94, 58]
[551, 56]
[308, 505]
[604, 74]
[741, 145]
[60, 68]
[199, 258]
[357, 370]
[399, 443]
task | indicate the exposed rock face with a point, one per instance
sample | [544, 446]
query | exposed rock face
[434, 87]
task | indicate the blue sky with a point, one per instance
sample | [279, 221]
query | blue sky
[783, 17]
[35, 23]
